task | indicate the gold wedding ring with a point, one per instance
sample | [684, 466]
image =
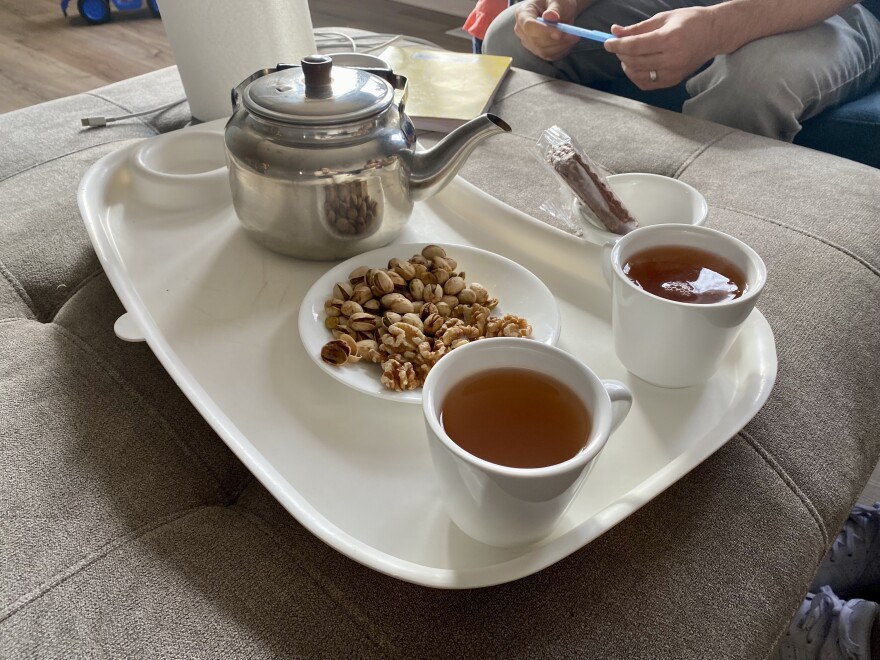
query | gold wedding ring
[652, 74]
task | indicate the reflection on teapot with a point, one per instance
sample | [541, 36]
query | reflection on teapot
[322, 159]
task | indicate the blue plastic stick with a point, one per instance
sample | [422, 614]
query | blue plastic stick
[594, 35]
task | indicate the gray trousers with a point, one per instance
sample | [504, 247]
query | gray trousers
[767, 87]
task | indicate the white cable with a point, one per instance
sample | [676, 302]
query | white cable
[94, 122]
[330, 33]
[365, 43]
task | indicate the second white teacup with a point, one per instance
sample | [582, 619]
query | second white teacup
[673, 343]
[487, 498]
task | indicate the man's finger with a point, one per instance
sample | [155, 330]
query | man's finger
[642, 44]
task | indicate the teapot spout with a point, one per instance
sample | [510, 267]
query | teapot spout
[434, 168]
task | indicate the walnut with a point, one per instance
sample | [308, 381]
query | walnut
[399, 376]
[403, 336]
[508, 326]
[429, 353]
[454, 334]
[369, 350]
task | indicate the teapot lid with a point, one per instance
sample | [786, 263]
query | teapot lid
[318, 93]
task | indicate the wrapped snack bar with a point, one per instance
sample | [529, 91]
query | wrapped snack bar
[583, 179]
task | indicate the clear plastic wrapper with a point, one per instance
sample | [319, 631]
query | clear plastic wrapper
[585, 195]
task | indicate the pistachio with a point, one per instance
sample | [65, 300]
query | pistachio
[427, 310]
[340, 330]
[416, 288]
[361, 294]
[431, 251]
[441, 275]
[467, 296]
[432, 323]
[433, 293]
[335, 352]
[358, 275]
[373, 305]
[403, 268]
[396, 302]
[428, 277]
[331, 322]
[380, 283]
[390, 318]
[363, 322]
[342, 290]
[444, 309]
[452, 301]
[397, 280]
[419, 260]
[413, 319]
[333, 307]
[480, 291]
[444, 263]
[350, 307]
[352, 347]
[453, 286]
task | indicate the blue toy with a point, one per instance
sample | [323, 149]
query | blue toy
[98, 11]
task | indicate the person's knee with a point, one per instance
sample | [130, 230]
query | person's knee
[500, 39]
[745, 90]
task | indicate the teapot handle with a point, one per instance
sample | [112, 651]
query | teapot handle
[397, 81]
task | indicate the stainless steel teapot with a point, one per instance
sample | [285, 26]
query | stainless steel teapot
[322, 160]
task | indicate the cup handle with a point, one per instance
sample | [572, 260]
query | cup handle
[621, 401]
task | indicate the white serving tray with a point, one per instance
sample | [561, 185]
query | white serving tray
[220, 313]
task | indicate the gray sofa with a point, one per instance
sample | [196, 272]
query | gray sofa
[128, 529]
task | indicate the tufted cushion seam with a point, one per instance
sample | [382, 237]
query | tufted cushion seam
[64, 155]
[767, 457]
[356, 616]
[779, 223]
[19, 289]
[547, 81]
[699, 152]
[88, 278]
[61, 577]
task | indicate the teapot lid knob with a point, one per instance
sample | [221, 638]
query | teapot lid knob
[316, 70]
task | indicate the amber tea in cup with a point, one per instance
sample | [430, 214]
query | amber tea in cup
[516, 417]
[683, 273]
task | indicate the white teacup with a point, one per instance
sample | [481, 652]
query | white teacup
[670, 343]
[510, 506]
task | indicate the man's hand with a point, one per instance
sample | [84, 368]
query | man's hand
[546, 42]
[672, 44]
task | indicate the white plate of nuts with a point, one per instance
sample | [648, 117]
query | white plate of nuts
[378, 321]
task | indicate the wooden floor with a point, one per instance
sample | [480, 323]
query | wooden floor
[45, 55]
